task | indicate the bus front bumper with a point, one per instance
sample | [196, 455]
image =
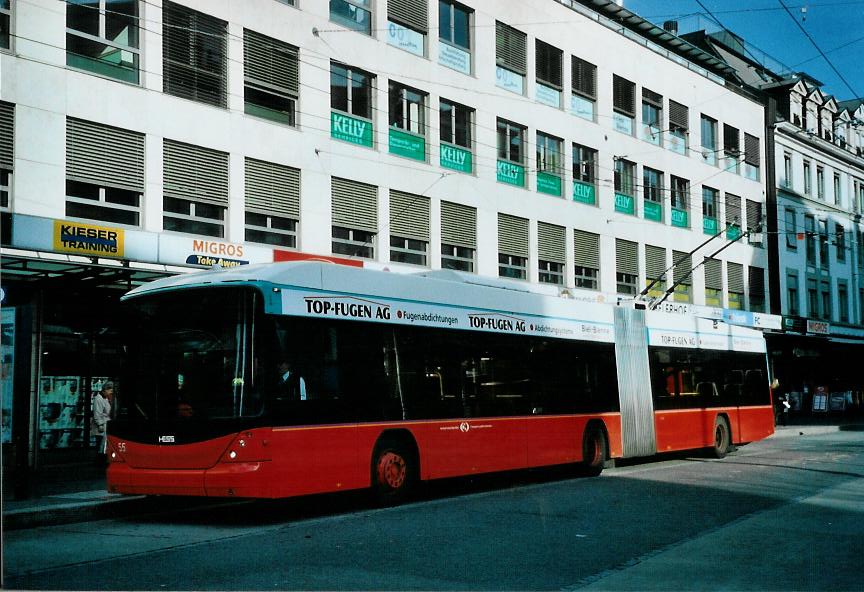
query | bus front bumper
[246, 479]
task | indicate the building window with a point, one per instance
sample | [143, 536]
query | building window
[454, 32]
[735, 285]
[842, 301]
[586, 257]
[682, 276]
[7, 153]
[351, 90]
[812, 299]
[353, 242]
[732, 150]
[623, 104]
[192, 217]
[757, 289]
[840, 242]
[272, 203]
[787, 170]
[5, 24]
[754, 220]
[551, 247]
[407, 25]
[791, 229]
[513, 247]
[104, 172]
[101, 37]
[823, 243]
[510, 58]
[549, 169]
[679, 124]
[5, 189]
[713, 282]
[825, 299]
[407, 108]
[838, 190]
[709, 210]
[808, 178]
[458, 258]
[680, 201]
[354, 217]
[792, 292]
[652, 190]
[194, 53]
[752, 157]
[820, 182]
[709, 139]
[626, 267]
[652, 117]
[625, 186]
[584, 86]
[584, 174]
[271, 78]
[409, 228]
[458, 236]
[548, 65]
[511, 155]
[354, 14]
[455, 120]
[810, 239]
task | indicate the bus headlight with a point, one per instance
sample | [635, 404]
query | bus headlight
[249, 446]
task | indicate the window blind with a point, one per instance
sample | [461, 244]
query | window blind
[735, 277]
[7, 130]
[510, 48]
[733, 209]
[584, 77]
[270, 62]
[679, 115]
[655, 262]
[683, 266]
[548, 64]
[626, 257]
[409, 215]
[551, 242]
[586, 249]
[713, 273]
[513, 235]
[411, 13]
[623, 95]
[754, 215]
[458, 225]
[272, 188]
[195, 173]
[354, 204]
[104, 155]
[751, 150]
[731, 140]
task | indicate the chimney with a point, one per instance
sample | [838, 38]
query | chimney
[671, 27]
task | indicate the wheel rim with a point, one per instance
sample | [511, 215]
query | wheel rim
[595, 449]
[392, 470]
[720, 437]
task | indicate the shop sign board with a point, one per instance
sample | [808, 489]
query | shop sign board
[581, 107]
[818, 327]
[509, 80]
[87, 239]
[407, 145]
[653, 211]
[456, 158]
[679, 218]
[548, 95]
[549, 183]
[7, 371]
[584, 193]
[820, 399]
[625, 204]
[454, 58]
[709, 225]
[405, 38]
[350, 129]
[511, 173]
[206, 252]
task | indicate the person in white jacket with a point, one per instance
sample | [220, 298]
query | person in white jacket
[102, 413]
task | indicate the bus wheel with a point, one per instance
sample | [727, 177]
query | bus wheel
[594, 451]
[722, 437]
[393, 473]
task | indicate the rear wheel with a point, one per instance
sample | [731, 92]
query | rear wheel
[594, 451]
[394, 471]
[722, 437]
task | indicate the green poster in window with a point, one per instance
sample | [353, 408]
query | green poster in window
[679, 218]
[625, 204]
[653, 211]
[733, 232]
[511, 173]
[709, 225]
[407, 145]
[457, 159]
[583, 192]
[350, 129]
[549, 183]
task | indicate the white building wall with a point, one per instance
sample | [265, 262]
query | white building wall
[45, 92]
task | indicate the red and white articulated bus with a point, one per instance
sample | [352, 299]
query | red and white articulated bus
[288, 379]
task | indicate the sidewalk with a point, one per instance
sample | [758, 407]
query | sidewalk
[85, 497]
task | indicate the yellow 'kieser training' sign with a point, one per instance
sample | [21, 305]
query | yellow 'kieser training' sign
[86, 239]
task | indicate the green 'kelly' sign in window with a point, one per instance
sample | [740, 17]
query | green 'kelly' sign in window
[679, 218]
[709, 225]
[349, 129]
[625, 204]
[733, 232]
[457, 159]
[583, 192]
[511, 173]
[407, 145]
[549, 183]
[653, 211]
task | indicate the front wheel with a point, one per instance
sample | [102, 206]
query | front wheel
[393, 473]
[594, 451]
[722, 438]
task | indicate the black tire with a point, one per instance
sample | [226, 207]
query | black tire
[722, 438]
[595, 450]
[394, 472]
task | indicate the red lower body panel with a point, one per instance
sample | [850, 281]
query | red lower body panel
[685, 429]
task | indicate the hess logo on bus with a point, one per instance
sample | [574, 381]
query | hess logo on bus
[165, 439]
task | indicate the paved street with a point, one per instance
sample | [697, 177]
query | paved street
[781, 514]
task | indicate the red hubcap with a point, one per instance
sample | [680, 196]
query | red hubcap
[391, 470]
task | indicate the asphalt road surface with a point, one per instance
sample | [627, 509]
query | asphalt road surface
[783, 514]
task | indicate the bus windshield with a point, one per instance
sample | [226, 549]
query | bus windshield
[190, 356]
